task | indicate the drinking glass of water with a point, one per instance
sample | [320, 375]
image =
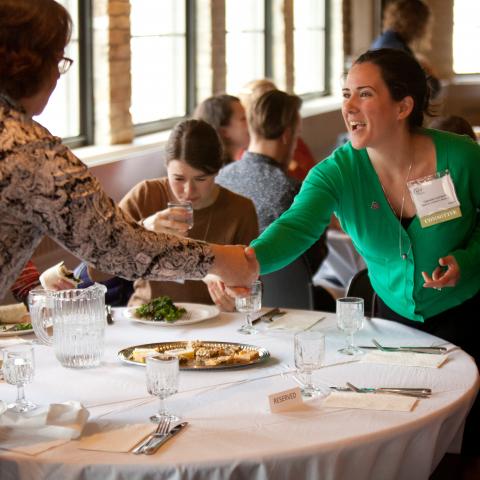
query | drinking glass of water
[162, 381]
[181, 212]
[18, 369]
[309, 351]
[250, 304]
[350, 320]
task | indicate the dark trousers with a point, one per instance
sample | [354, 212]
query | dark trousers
[457, 325]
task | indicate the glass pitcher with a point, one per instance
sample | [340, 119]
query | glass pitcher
[78, 320]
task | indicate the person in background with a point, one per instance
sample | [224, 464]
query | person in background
[46, 190]
[226, 115]
[193, 156]
[426, 273]
[454, 124]
[407, 27]
[302, 160]
[274, 122]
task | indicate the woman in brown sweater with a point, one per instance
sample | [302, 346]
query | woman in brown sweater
[193, 159]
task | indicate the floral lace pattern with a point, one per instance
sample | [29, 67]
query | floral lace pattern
[46, 190]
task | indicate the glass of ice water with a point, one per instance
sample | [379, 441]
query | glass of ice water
[350, 320]
[162, 381]
[250, 304]
[181, 212]
[309, 351]
[18, 369]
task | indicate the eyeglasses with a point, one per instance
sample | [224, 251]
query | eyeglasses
[64, 65]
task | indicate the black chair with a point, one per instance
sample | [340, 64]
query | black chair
[292, 287]
[360, 286]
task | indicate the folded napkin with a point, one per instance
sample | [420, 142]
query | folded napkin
[115, 438]
[370, 401]
[293, 321]
[43, 428]
[408, 359]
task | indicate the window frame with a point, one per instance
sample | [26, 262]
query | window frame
[159, 125]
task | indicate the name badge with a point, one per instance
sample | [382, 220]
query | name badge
[286, 400]
[435, 199]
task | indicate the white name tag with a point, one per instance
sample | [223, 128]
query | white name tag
[286, 400]
[435, 199]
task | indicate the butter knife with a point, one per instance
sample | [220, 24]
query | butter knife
[432, 350]
[267, 315]
[156, 443]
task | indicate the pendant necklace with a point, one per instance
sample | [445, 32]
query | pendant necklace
[403, 255]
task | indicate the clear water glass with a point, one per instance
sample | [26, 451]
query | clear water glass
[181, 212]
[309, 352]
[18, 369]
[250, 304]
[162, 382]
[350, 319]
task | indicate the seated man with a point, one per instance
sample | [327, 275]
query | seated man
[261, 174]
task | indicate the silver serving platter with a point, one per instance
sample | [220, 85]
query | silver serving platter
[263, 354]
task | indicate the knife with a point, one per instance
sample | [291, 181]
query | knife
[439, 350]
[156, 443]
[268, 315]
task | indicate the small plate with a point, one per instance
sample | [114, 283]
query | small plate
[13, 333]
[263, 354]
[196, 312]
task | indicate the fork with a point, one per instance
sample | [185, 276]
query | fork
[396, 392]
[161, 430]
[430, 350]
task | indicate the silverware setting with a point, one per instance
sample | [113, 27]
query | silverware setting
[405, 391]
[313, 324]
[161, 430]
[430, 350]
[159, 440]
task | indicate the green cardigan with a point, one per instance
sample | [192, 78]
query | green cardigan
[347, 184]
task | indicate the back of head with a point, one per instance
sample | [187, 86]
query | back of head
[254, 89]
[273, 112]
[216, 110]
[33, 35]
[408, 18]
[403, 77]
[197, 143]
[454, 124]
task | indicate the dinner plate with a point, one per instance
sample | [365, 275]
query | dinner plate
[13, 333]
[126, 354]
[196, 312]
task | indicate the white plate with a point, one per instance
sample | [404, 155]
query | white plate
[196, 312]
[14, 333]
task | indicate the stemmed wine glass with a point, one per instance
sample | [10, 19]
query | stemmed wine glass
[350, 320]
[309, 351]
[250, 304]
[162, 381]
[18, 369]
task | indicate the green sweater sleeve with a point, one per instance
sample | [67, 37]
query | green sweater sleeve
[303, 223]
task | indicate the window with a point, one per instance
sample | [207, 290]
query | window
[310, 47]
[245, 42]
[159, 61]
[466, 30]
[68, 114]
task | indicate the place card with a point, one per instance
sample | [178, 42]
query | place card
[285, 400]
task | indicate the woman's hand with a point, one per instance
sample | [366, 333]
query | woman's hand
[161, 222]
[219, 294]
[446, 275]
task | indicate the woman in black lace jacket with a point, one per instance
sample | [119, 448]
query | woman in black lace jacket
[46, 190]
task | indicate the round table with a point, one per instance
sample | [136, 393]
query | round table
[231, 431]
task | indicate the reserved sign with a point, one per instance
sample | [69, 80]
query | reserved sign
[286, 400]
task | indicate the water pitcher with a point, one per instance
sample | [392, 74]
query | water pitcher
[78, 320]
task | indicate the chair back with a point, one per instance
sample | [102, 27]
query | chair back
[360, 286]
[292, 287]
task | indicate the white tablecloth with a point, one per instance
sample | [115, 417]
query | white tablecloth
[232, 433]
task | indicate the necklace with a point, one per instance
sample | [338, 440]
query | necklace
[403, 255]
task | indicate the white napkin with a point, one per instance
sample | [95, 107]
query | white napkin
[370, 401]
[408, 359]
[109, 437]
[293, 321]
[43, 428]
